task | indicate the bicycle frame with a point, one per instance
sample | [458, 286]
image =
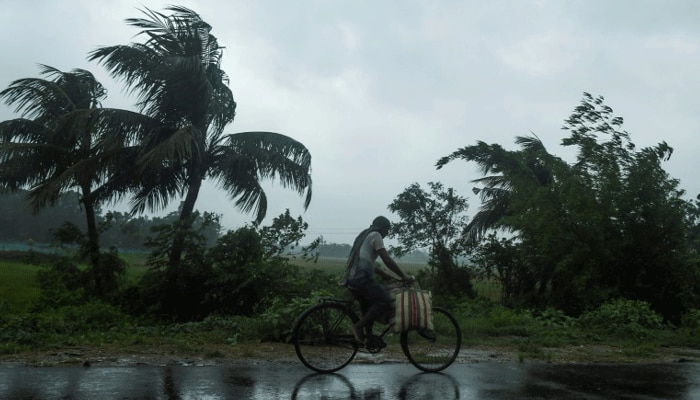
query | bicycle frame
[349, 308]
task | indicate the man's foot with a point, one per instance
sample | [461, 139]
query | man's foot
[359, 335]
[375, 342]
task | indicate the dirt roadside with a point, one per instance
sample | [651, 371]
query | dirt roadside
[252, 353]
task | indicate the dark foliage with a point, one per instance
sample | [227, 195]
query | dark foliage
[611, 225]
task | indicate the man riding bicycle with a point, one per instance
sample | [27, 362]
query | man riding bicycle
[360, 275]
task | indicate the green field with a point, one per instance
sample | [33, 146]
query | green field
[337, 265]
[136, 265]
[490, 289]
[18, 286]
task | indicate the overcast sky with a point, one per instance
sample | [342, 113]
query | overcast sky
[380, 90]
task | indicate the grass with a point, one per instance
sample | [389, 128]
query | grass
[136, 265]
[18, 286]
[135, 258]
[488, 289]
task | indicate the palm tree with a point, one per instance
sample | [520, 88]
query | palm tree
[53, 147]
[505, 172]
[177, 77]
[516, 186]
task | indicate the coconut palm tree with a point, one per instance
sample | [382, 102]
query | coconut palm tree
[177, 77]
[505, 172]
[516, 186]
[53, 147]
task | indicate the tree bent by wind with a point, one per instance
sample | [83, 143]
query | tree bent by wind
[54, 148]
[612, 224]
[176, 75]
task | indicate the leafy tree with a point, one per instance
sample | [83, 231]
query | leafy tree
[238, 274]
[282, 235]
[434, 220]
[176, 292]
[694, 234]
[177, 76]
[240, 277]
[506, 173]
[533, 196]
[124, 231]
[501, 258]
[54, 148]
[612, 224]
[650, 219]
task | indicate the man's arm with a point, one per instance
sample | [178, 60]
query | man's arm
[385, 275]
[390, 263]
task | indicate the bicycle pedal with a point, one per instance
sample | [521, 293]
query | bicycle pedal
[430, 335]
[375, 342]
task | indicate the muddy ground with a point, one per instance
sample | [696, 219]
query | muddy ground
[284, 353]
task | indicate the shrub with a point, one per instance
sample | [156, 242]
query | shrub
[19, 329]
[241, 277]
[691, 320]
[35, 328]
[483, 317]
[63, 283]
[554, 318]
[277, 322]
[93, 316]
[623, 317]
[176, 292]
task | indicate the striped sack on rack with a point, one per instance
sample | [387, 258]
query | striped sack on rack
[414, 310]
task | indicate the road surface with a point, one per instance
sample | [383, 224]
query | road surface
[268, 380]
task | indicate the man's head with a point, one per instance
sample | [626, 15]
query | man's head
[381, 225]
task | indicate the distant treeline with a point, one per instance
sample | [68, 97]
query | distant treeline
[19, 224]
[335, 250]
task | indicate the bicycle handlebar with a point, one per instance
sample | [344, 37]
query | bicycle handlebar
[410, 282]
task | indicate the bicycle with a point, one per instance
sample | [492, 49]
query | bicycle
[324, 342]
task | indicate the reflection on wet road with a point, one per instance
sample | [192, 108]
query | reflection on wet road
[357, 381]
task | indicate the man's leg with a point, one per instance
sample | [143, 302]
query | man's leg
[379, 304]
[364, 318]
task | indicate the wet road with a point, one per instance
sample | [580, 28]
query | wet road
[357, 381]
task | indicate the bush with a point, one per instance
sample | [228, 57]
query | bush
[21, 329]
[35, 328]
[554, 318]
[277, 322]
[482, 317]
[691, 320]
[63, 283]
[624, 318]
[173, 294]
[93, 316]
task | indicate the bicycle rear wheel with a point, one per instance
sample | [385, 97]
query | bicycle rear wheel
[323, 338]
[434, 350]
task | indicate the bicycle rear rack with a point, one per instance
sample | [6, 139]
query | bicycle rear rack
[334, 300]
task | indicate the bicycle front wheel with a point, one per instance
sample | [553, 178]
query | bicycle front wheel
[433, 351]
[323, 337]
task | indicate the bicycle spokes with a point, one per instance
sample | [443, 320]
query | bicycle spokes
[322, 338]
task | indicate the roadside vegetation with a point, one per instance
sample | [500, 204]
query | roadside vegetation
[38, 317]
